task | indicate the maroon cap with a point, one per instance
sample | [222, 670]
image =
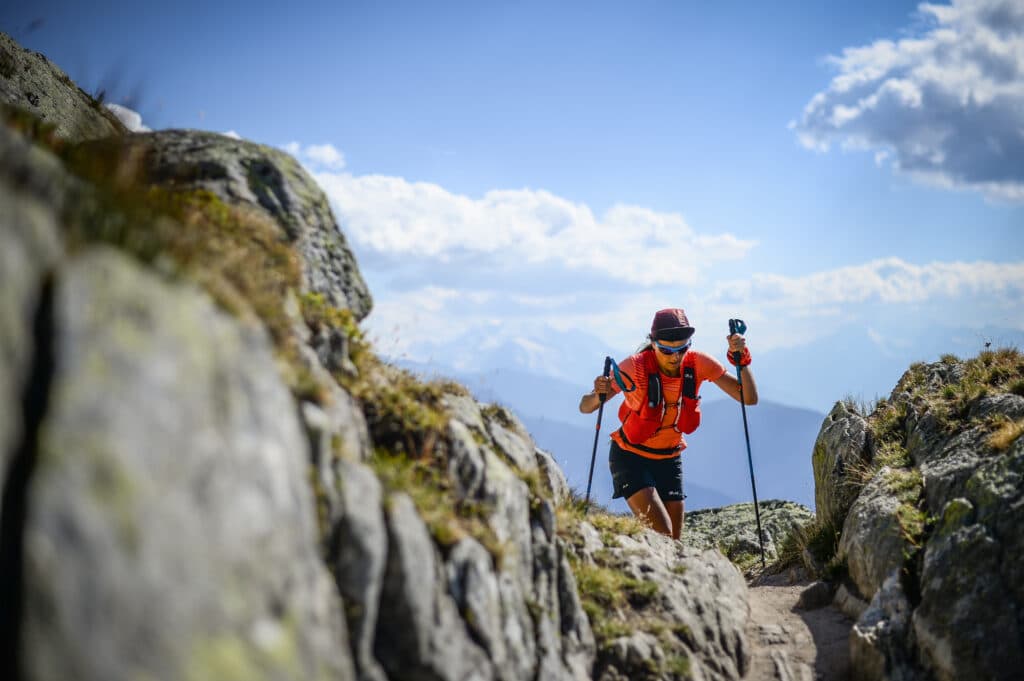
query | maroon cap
[671, 324]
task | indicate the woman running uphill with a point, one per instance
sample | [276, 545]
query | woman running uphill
[661, 385]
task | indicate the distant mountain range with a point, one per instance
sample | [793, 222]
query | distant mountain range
[715, 466]
[865, 363]
[857, 361]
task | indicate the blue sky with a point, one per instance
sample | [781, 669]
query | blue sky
[533, 173]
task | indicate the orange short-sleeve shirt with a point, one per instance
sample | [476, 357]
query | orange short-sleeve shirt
[706, 368]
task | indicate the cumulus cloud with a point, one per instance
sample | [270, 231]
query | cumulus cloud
[790, 311]
[326, 155]
[522, 228]
[887, 280]
[129, 118]
[945, 106]
[318, 157]
[528, 264]
[874, 298]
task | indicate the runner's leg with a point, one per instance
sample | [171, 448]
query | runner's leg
[676, 512]
[646, 505]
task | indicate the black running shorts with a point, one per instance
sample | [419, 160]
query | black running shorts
[632, 472]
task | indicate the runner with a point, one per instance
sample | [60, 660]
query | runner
[662, 386]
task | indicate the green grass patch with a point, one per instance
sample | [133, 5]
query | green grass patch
[404, 414]
[1016, 385]
[991, 372]
[237, 253]
[908, 487]
[607, 586]
[819, 541]
[678, 665]
[574, 510]
[906, 484]
[616, 524]
[448, 518]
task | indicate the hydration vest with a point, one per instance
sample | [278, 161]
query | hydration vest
[640, 425]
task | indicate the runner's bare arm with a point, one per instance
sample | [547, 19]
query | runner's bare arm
[731, 387]
[590, 402]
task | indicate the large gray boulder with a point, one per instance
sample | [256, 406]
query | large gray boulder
[947, 596]
[843, 444]
[494, 609]
[521, 605]
[970, 622]
[881, 641]
[32, 189]
[240, 172]
[420, 634]
[170, 529]
[511, 438]
[954, 458]
[357, 553]
[874, 521]
[30, 81]
[700, 593]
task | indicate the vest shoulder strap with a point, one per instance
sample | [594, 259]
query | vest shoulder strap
[689, 383]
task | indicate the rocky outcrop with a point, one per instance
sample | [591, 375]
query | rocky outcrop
[880, 642]
[31, 82]
[733, 529]
[932, 542]
[32, 187]
[702, 597]
[169, 530]
[874, 520]
[970, 620]
[842, 447]
[243, 173]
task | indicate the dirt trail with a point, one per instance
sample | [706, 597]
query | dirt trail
[795, 645]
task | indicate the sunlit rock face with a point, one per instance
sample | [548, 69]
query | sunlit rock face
[932, 541]
[31, 82]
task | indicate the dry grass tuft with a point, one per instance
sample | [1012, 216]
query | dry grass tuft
[1006, 435]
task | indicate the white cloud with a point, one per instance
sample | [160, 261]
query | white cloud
[945, 107]
[879, 297]
[232, 134]
[510, 230]
[791, 311]
[325, 155]
[129, 118]
[317, 157]
[527, 264]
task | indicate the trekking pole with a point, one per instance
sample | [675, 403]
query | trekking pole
[737, 326]
[597, 431]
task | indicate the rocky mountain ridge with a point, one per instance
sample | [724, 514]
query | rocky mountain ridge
[920, 506]
[209, 474]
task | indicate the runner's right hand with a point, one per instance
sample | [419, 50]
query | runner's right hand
[603, 385]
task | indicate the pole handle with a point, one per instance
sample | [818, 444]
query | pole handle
[740, 327]
[607, 373]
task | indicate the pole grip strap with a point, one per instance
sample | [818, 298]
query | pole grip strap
[621, 378]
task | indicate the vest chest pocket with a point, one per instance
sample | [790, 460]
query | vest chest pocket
[689, 420]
